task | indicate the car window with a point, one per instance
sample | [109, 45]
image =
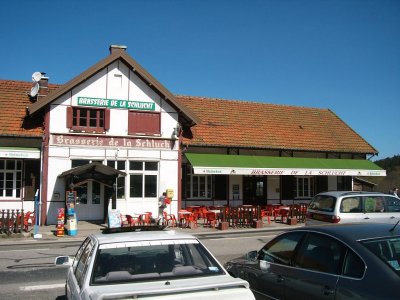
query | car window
[323, 203]
[79, 253]
[321, 253]
[374, 204]
[351, 205]
[392, 204]
[82, 264]
[155, 260]
[353, 265]
[387, 249]
[282, 249]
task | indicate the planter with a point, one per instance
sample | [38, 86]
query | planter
[257, 224]
[223, 225]
[292, 221]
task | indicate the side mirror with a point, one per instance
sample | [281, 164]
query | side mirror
[264, 265]
[252, 255]
[63, 261]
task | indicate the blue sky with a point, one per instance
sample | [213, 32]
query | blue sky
[338, 54]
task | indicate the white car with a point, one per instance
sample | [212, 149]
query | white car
[150, 265]
[353, 207]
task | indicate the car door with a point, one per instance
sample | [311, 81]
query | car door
[265, 273]
[375, 210]
[315, 271]
[392, 209]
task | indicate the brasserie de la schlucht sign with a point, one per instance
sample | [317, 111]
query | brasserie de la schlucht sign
[115, 103]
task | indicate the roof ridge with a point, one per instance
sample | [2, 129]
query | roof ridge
[251, 102]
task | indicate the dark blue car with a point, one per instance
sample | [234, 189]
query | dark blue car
[349, 261]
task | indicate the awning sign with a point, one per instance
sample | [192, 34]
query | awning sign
[115, 103]
[291, 172]
[19, 153]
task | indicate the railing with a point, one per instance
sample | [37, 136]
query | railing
[241, 216]
[15, 221]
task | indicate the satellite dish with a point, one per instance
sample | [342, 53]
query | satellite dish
[37, 76]
[34, 90]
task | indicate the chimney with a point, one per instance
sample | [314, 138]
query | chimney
[117, 48]
[43, 85]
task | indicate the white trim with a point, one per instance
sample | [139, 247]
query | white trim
[19, 153]
[293, 172]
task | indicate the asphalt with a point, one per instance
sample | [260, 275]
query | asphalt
[47, 233]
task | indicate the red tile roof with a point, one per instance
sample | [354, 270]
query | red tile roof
[14, 99]
[224, 123]
[229, 123]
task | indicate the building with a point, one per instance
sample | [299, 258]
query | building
[119, 139]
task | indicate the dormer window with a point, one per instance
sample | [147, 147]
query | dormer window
[85, 119]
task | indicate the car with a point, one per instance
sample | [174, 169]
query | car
[353, 207]
[162, 264]
[334, 261]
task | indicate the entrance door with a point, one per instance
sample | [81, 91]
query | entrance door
[254, 189]
[90, 201]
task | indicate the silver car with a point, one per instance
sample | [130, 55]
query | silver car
[150, 264]
[353, 207]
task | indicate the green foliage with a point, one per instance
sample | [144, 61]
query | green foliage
[389, 164]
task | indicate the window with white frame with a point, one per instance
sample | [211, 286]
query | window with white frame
[198, 186]
[10, 178]
[304, 186]
[119, 165]
[143, 179]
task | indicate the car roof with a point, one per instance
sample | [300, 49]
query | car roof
[346, 193]
[136, 236]
[355, 231]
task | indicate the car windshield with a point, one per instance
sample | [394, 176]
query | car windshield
[323, 203]
[152, 260]
[387, 249]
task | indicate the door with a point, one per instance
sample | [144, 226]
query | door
[266, 274]
[315, 271]
[90, 201]
[254, 190]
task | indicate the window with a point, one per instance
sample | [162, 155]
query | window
[281, 250]
[198, 186]
[321, 253]
[165, 259]
[82, 263]
[305, 186]
[10, 178]
[351, 205]
[88, 119]
[143, 176]
[144, 123]
[119, 165]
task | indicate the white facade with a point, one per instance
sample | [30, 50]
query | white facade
[115, 82]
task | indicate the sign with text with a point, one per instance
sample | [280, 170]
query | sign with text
[116, 103]
[291, 172]
[103, 141]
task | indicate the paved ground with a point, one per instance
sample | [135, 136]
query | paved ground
[48, 233]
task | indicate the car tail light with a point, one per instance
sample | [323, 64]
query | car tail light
[323, 217]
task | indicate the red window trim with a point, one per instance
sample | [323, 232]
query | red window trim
[97, 129]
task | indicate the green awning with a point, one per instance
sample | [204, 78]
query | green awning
[271, 165]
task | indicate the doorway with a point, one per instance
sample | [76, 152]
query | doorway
[90, 201]
[254, 190]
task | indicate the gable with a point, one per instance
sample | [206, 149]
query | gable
[187, 117]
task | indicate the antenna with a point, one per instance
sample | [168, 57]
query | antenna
[37, 76]
[34, 90]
